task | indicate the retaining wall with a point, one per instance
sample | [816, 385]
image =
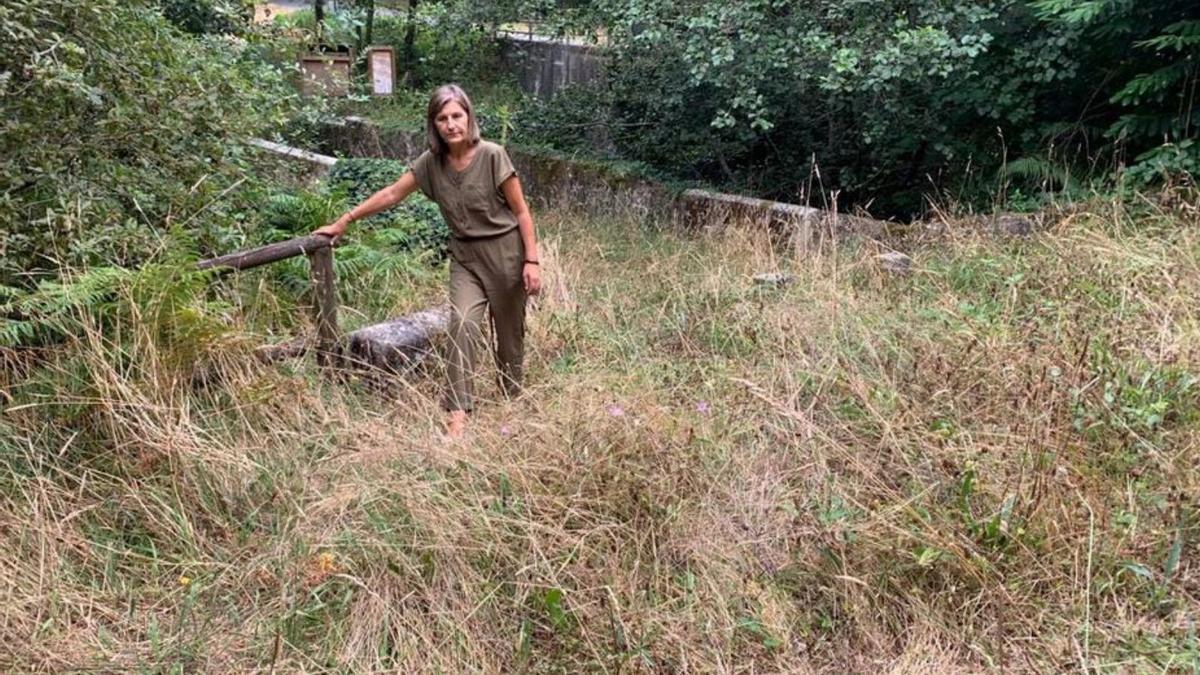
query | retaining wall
[556, 181]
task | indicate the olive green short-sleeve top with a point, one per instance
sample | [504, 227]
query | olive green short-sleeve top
[470, 200]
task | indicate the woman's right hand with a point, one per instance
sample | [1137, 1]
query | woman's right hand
[336, 229]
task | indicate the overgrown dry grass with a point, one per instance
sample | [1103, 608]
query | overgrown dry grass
[988, 464]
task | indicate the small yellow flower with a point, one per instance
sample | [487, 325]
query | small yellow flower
[320, 567]
[185, 580]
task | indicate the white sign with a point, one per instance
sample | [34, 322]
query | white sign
[381, 72]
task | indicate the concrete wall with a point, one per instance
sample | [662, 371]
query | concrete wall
[357, 137]
[544, 66]
[561, 182]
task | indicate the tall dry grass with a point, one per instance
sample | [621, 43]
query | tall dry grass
[987, 464]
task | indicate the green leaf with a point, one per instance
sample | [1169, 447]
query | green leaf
[1174, 554]
[553, 601]
[1139, 570]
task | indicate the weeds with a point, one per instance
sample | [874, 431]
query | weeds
[986, 464]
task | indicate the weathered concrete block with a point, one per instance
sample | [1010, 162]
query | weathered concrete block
[773, 279]
[549, 179]
[1012, 225]
[895, 262]
[295, 153]
[703, 208]
[316, 166]
[354, 136]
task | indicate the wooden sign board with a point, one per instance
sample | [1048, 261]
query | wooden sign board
[327, 74]
[381, 70]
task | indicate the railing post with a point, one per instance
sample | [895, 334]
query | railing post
[319, 250]
[325, 305]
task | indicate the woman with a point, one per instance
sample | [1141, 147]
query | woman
[493, 249]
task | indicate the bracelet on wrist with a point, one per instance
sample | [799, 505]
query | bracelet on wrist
[532, 262]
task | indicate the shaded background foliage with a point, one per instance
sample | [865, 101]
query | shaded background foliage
[885, 102]
[209, 16]
[119, 125]
[125, 121]
[434, 42]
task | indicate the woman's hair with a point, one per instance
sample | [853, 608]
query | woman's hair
[441, 96]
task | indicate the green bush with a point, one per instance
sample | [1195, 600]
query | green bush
[445, 48]
[166, 296]
[119, 127]
[339, 28]
[882, 104]
[578, 119]
[382, 258]
[414, 226]
[209, 16]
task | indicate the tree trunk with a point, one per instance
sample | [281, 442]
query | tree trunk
[370, 28]
[399, 344]
[914, 166]
[318, 19]
[725, 170]
[410, 36]
[363, 33]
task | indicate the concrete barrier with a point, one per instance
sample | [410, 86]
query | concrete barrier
[559, 181]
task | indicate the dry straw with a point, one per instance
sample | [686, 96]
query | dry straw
[985, 464]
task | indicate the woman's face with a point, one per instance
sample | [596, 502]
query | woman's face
[451, 123]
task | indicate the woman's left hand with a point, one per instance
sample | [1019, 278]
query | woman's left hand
[533, 279]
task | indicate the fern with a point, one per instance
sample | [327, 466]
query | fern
[353, 260]
[279, 209]
[296, 213]
[168, 298]
[1152, 126]
[1074, 12]
[1155, 86]
[14, 332]
[361, 177]
[1041, 171]
[292, 274]
[1161, 100]
[1178, 37]
[52, 306]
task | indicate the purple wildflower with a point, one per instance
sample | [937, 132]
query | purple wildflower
[615, 410]
[702, 407]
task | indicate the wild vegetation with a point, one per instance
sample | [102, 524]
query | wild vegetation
[986, 463]
[884, 104]
[118, 128]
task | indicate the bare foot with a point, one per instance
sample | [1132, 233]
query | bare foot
[456, 424]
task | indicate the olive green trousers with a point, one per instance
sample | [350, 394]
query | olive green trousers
[485, 274]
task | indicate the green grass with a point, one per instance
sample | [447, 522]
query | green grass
[988, 463]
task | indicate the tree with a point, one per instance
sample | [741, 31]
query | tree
[1156, 81]
[118, 126]
[883, 101]
[209, 16]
